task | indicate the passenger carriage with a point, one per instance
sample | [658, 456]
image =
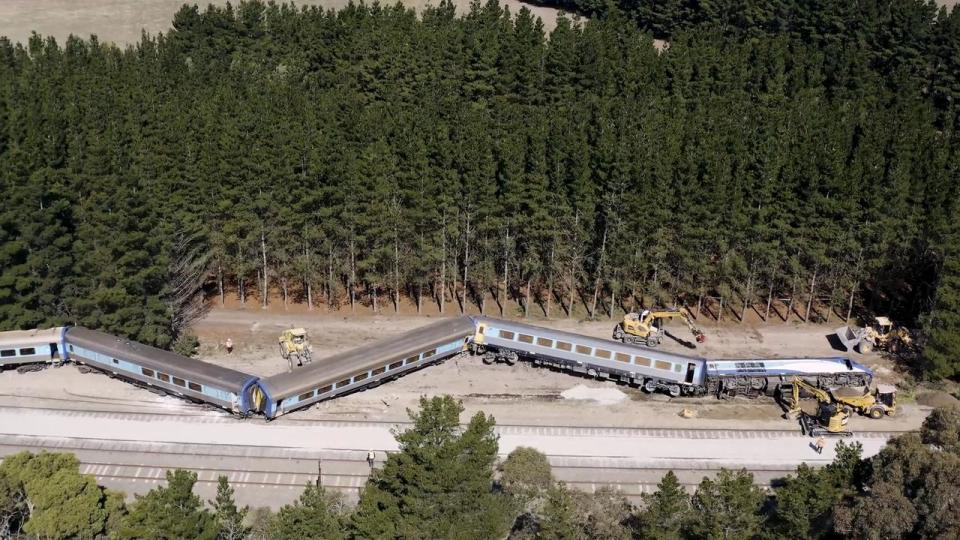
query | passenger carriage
[31, 349]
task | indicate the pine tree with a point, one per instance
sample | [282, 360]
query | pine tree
[316, 514]
[665, 511]
[229, 517]
[941, 351]
[170, 512]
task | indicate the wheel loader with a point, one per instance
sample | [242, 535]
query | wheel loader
[882, 335]
[295, 345]
[647, 327]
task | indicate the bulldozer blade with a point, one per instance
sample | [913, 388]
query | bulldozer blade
[848, 337]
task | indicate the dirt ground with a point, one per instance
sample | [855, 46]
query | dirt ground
[122, 21]
[523, 394]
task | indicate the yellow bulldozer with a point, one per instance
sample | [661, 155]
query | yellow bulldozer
[647, 327]
[295, 345]
[882, 335]
[834, 407]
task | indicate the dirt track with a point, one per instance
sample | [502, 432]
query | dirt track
[122, 21]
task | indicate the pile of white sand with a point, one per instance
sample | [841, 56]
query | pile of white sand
[605, 395]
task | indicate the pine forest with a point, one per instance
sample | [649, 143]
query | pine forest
[667, 153]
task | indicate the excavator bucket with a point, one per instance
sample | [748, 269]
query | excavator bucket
[849, 337]
[701, 337]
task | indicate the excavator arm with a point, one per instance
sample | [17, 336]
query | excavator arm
[697, 333]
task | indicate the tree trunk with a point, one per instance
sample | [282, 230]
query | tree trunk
[466, 266]
[506, 269]
[353, 274]
[309, 297]
[283, 285]
[266, 279]
[573, 290]
[419, 297]
[220, 281]
[793, 294]
[746, 298]
[526, 303]
[553, 250]
[329, 277]
[720, 311]
[597, 283]
[243, 293]
[373, 292]
[766, 315]
[613, 300]
[443, 268]
[853, 292]
[813, 283]
[396, 272]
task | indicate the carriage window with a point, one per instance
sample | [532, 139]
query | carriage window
[564, 346]
[660, 364]
[524, 338]
[641, 361]
[179, 382]
[8, 352]
[544, 342]
[412, 359]
[195, 387]
[147, 372]
[29, 350]
[345, 382]
[305, 396]
[359, 377]
[395, 365]
[115, 361]
[429, 353]
[71, 348]
[163, 377]
[600, 353]
[583, 350]
[379, 370]
[325, 389]
[623, 357]
[506, 335]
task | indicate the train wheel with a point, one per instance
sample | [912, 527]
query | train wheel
[674, 390]
[592, 373]
[650, 385]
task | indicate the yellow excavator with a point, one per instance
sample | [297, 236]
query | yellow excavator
[295, 345]
[883, 335]
[834, 407]
[647, 327]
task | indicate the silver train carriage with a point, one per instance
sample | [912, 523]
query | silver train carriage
[507, 341]
[31, 350]
[365, 366]
[165, 370]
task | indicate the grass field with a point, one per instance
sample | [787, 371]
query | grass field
[122, 21]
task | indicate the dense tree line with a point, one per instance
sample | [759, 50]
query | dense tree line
[373, 155]
[445, 483]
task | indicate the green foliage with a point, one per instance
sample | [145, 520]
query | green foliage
[365, 154]
[46, 496]
[440, 483]
[665, 510]
[559, 519]
[317, 514]
[941, 328]
[526, 473]
[942, 429]
[727, 507]
[229, 518]
[170, 512]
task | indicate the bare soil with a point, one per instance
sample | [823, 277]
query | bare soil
[123, 21]
[523, 394]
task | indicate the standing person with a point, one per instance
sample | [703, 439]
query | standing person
[821, 442]
[229, 345]
[371, 458]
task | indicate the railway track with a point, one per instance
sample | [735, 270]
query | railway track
[203, 414]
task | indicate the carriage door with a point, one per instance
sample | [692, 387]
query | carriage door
[691, 370]
[54, 352]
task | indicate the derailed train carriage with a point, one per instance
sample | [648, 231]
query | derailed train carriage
[653, 370]
[364, 367]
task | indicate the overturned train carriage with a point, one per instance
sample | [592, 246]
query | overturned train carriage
[193, 379]
[366, 366]
[756, 376]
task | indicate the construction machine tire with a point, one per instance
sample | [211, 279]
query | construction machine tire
[875, 412]
[652, 342]
[618, 333]
[284, 353]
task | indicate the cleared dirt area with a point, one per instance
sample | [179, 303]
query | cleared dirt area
[523, 394]
[123, 21]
